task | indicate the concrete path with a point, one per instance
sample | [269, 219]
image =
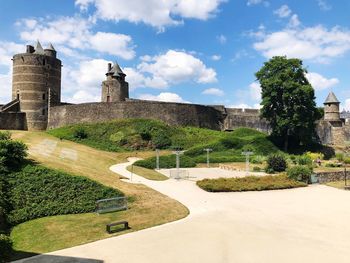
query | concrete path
[298, 225]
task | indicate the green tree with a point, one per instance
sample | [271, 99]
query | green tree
[288, 101]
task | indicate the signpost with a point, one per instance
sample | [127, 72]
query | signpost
[247, 154]
[208, 150]
[177, 153]
[157, 159]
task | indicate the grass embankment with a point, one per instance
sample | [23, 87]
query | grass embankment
[140, 134]
[58, 232]
[147, 173]
[251, 183]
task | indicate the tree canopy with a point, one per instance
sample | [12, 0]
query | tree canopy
[288, 100]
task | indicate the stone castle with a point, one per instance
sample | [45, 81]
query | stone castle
[36, 103]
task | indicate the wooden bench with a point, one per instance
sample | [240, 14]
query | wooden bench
[109, 226]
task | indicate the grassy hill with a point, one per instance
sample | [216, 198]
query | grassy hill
[141, 134]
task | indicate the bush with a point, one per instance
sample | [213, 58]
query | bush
[339, 156]
[3, 206]
[80, 133]
[36, 192]
[5, 247]
[5, 135]
[300, 173]
[315, 156]
[161, 140]
[276, 163]
[347, 160]
[12, 153]
[304, 160]
[257, 169]
[168, 161]
[258, 159]
[249, 183]
[334, 165]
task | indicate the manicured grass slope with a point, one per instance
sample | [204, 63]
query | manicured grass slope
[251, 183]
[37, 191]
[58, 232]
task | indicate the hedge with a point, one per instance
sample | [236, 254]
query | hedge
[5, 247]
[168, 161]
[36, 192]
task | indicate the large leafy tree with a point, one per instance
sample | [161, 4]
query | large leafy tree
[288, 101]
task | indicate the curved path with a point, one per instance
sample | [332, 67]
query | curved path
[297, 225]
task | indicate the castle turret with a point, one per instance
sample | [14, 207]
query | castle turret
[36, 83]
[331, 108]
[115, 88]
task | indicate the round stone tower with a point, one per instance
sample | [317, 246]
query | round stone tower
[115, 88]
[331, 108]
[36, 83]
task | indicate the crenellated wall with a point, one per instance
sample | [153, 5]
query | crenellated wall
[172, 113]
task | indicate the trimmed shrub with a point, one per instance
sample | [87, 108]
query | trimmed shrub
[36, 192]
[12, 153]
[300, 173]
[249, 183]
[168, 161]
[276, 163]
[5, 247]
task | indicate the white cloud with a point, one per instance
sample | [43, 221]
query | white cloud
[222, 39]
[347, 105]
[7, 50]
[255, 91]
[257, 2]
[314, 43]
[152, 12]
[163, 96]
[76, 33]
[324, 6]
[294, 21]
[215, 57]
[5, 84]
[173, 67]
[82, 96]
[319, 82]
[213, 91]
[283, 11]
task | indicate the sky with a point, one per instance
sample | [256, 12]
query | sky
[192, 51]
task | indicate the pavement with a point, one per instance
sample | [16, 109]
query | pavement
[308, 224]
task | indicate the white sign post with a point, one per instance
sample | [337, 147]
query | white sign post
[247, 154]
[208, 150]
[157, 159]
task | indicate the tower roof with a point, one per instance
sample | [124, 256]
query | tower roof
[116, 70]
[50, 47]
[39, 49]
[331, 98]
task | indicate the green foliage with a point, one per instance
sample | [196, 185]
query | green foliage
[161, 140]
[258, 159]
[334, 165]
[276, 163]
[300, 173]
[168, 161]
[80, 133]
[5, 135]
[250, 183]
[288, 100]
[257, 169]
[347, 160]
[5, 247]
[3, 205]
[37, 192]
[304, 160]
[12, 153]
[340, 157]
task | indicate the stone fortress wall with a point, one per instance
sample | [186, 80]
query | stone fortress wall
[36, 103]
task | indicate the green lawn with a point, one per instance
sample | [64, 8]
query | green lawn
[147, 173]
[250, 183]
[57, 232]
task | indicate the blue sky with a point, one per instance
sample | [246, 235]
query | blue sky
[198, 51]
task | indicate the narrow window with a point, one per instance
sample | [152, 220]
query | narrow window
[107, 89]
[108, 99]
[18, 96]
[44, 96]
[44, 62]
[43, 112]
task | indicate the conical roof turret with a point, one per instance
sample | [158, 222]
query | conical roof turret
[331, 98]
[39, 49]
[116, 70]
[50, 47]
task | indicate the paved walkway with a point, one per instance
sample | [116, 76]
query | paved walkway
[298, 225]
